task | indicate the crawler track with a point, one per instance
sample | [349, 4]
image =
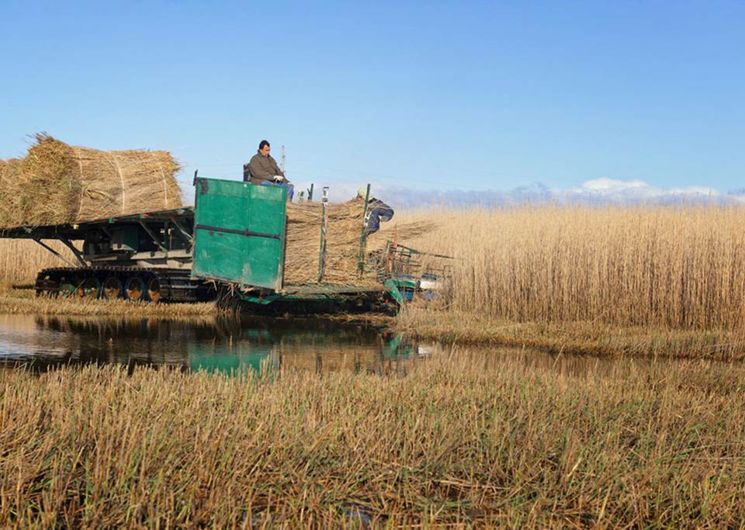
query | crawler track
[129, 283]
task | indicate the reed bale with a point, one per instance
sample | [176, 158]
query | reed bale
[302, 243]
[48, 188]
[58, 183]
[125, 182]
[19, 195]
[9, 192]
[342, 243]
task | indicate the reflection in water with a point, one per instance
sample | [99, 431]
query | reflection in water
[214, 345]
[233, 346]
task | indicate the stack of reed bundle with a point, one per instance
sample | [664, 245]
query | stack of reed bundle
[343, 232]
[9, 190]
[58, 183]
[344, 227]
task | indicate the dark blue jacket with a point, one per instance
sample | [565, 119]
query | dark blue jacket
[377, 212]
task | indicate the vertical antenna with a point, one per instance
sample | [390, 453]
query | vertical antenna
[324, 227]
[282, 161]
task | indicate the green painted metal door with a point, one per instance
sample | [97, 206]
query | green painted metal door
[239, 232]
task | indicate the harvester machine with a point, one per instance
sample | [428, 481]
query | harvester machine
[230, 247]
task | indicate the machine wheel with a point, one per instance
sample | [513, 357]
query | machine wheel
[47, 286]
[90, 288]
[153, 290]
[67, 287]
[112, 288]
[134, 288]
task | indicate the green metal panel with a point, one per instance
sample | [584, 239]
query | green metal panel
[391, 286]
[239, 233]
[125, 239]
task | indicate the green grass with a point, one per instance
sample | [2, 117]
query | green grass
[461, 440]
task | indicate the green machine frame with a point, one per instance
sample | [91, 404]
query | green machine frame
[239, 243]
[239, 233]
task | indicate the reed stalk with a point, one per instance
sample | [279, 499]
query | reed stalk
[462, 440]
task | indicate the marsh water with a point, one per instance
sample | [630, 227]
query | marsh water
[212, 344]
[233, 346]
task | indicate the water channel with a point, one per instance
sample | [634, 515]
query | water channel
[211, 344]
[231, 346]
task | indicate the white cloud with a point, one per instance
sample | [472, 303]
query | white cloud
[615, 190]
[606, 185]
[595, 191]
[695, 190]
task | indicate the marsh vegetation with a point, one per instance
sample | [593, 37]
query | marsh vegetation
[461, 439]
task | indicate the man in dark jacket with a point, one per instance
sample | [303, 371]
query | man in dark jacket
[263, 170]
[377, 212]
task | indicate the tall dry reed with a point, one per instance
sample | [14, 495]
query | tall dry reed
[680, 267]
[20, 260]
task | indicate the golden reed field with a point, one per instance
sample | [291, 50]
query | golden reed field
[679, 267]
[21, 260]
[467, 438]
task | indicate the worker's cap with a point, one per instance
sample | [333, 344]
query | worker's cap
[362, 192]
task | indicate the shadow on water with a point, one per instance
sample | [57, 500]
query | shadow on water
[212, 344]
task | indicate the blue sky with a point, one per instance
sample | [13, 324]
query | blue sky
[436, 95]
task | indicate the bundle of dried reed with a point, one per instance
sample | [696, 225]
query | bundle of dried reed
[343, 230]
[121, 182]
[57, 183]
[9, 190]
